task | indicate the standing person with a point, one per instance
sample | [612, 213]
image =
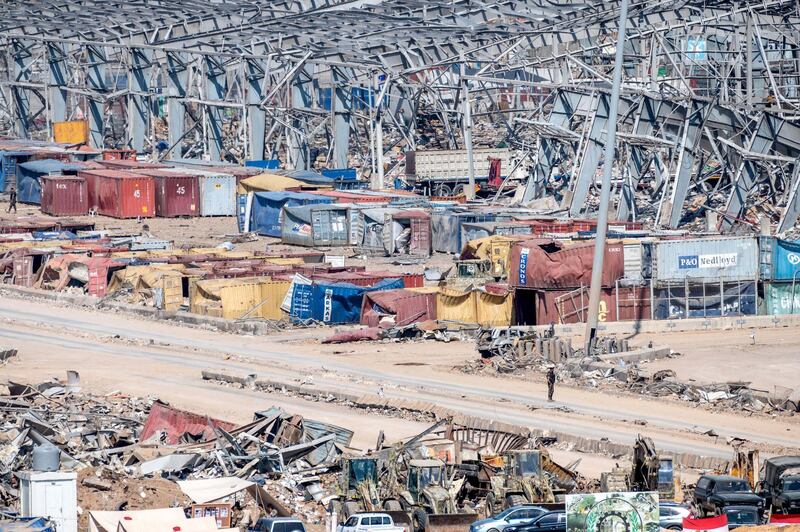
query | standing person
[12, 200]
[551, 383]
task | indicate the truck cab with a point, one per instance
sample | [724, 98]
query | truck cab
[713, 493]
[780, 483]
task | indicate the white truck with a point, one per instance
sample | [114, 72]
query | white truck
[370, 522]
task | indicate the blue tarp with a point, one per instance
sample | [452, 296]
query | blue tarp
[48, 166]
[29, 190]
[334, 303]
[265, 213]
[27, 524]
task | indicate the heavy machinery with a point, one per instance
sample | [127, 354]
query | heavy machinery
[428, 499]
[520, 479]
[360, 491]
[358, 486]
[651, 472]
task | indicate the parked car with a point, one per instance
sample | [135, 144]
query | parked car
[369, 522]
[549, 522]
[714, 492]
[278, 524]
[515, 515]
[671, 514]
[742, 516]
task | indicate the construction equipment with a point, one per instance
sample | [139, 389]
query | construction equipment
[519, 480]
[428, 498]
[745, 463]
[358, 486]
[651, 472]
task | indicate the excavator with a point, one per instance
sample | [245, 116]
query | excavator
[651, 472]
[518, 480]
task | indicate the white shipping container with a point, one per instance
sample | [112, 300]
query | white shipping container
[706, 259]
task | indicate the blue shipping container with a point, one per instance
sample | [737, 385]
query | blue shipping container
[8, 167]
[334, 303]
[780, 259]
[265, 212]
[343, 174]
[266, 164]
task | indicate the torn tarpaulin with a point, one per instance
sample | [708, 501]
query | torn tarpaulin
[370, 333]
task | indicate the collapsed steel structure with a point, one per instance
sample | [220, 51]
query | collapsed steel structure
[710, 96]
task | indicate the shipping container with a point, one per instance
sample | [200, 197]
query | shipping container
[8, 167]
[264, 212]
[446, 228]
[217, 194]
[433, 164]
[176, 194]
[403, 306]
[706, 259]
[333, 303]
[120, 194]
[64, 195]
[779, 259]
[548, 264]
[782, 298]
[474, 231]
[701, 300]
[118, 154]
[29, 186]
[618, 303]
[315, 225]
[407, 232]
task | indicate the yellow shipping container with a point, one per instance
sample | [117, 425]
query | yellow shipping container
[253, 297]
[71, 132]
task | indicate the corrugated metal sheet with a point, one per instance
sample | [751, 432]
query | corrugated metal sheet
[632, 255]
[782, 298]
[175, 423]
[779, 259]
[317, 429]
[64, 196]
[730, 258]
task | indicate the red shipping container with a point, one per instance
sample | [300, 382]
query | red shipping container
[123, 194]
[176, 194]
[64, 195]
[112, 155]
[542, 263]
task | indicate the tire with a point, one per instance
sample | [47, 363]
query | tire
[419, 520]
[392, 505]
[442, 190]
[515, 500]
[674, 527]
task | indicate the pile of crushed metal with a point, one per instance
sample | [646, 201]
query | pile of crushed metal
[613, 364]
[140, 453]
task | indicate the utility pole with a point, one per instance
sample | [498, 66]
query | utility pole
[467, 124]
[605, 189]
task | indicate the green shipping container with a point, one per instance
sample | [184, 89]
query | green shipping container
[782, 298]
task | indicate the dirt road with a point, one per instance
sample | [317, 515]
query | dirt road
[118, 352]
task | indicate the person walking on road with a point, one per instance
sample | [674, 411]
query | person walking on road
[12, 200]
[551, 383]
